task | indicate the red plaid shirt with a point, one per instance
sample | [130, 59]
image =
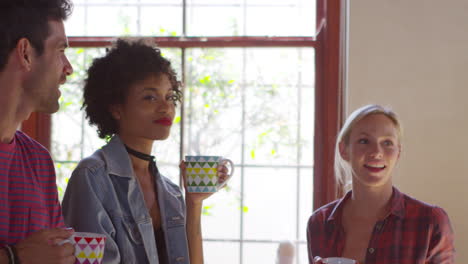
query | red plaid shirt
[413, 232]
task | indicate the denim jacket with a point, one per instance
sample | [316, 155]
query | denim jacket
[104, 196]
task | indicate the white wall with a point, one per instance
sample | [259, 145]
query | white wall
[413, 56]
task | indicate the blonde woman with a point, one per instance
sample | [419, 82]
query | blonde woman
[374, 222]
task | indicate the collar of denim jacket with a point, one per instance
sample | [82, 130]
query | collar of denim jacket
[117, 158]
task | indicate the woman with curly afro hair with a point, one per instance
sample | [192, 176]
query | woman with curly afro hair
[130, 95]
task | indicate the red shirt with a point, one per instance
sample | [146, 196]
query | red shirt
[28, 191]
[413, 232]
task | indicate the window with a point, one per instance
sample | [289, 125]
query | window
[261, 87]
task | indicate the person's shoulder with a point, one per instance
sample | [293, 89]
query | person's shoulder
[416, 206]
[28, 143]
[327, 208]
[322, 213]
[93, 162]
[89, 174]
[319, 220]
[412, 203]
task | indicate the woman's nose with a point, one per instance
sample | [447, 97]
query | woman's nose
[376, 151]
[166, 106]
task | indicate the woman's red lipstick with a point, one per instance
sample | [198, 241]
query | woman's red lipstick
[164, 121]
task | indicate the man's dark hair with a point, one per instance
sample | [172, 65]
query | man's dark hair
[28, 19]
[111, 76]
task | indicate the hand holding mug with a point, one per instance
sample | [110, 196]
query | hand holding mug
[317, 260]
[41, 247]
[223, 173]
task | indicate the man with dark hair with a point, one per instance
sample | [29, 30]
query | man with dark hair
[32, 67]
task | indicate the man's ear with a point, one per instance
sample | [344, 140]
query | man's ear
[343, 150]
[24, 52]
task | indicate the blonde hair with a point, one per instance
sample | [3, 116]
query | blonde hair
[343, 170]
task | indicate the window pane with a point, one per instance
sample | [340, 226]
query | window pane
[161, 21]
[214, 20]
[251, 18]
[67, 126]
[221, 252]
[204, 18]
[302, 255]
[260, 253]
[307, 117]
[71, 139]
[75, 25]
[167, 152]
[246, 104]
[111, 21]
[236, 91]
[222, 211]
[268, 252]
[270, 195]
[213, 102]
[306, 187]
[126, 18]
[63, 171]
[104, 1]
[274, 95]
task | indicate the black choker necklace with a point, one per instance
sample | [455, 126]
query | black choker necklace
[140, 155]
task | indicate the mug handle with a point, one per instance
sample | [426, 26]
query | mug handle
[67, 240]
[219, 186]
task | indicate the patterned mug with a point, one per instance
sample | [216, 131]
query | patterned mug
[89, 247]
[201, 172]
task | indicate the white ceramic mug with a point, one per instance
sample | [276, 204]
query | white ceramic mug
[339, 261]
